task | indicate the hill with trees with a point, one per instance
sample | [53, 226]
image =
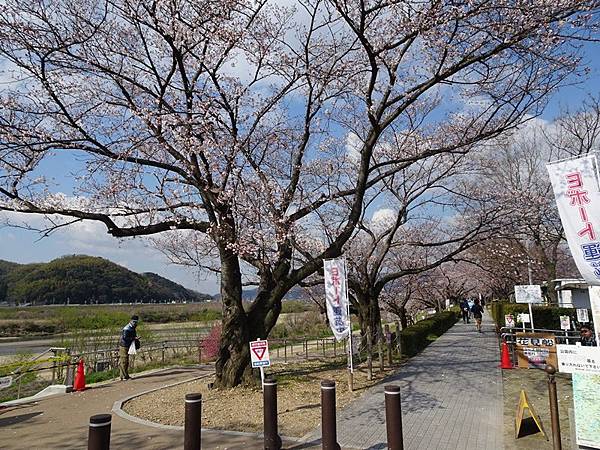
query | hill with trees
[82, 279]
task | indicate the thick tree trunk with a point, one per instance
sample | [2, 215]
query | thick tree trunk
[233, 361]
[369, 318]
[239, 326]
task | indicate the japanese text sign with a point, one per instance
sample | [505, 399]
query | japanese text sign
[336, 296]
[578, 358]
[535, 350]
[259, 354]
[582, 315]
[575, 185]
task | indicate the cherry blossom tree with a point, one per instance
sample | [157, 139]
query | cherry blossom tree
[532, 242]
[230, 121]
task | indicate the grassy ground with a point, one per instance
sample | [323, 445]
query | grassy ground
[298, 399]
[534, 383]
[43, 320]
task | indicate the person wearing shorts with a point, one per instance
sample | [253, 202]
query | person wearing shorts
[477, 311]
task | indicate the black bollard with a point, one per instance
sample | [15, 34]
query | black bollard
[99, 432]
[272, 439]
[192, 430]
[393, 417]
[328, 420]
[556, 440]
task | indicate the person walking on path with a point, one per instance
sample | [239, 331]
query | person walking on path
[464, 309]
[477, 311]
[128, 336]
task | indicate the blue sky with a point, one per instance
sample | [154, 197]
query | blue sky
[25, 246]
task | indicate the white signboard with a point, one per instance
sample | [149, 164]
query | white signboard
[582, 316]
[578, 358]
[595, 302]
[575, 185]
[509, 321]
[336, 296]
[528, 293]
[565, 323]
[259, 353]
[523, 318]
[5, 382]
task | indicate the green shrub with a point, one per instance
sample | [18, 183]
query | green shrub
[546, 317]
[418, 336]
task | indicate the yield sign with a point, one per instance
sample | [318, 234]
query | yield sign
[259, 353]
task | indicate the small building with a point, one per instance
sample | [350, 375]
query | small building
[573, 293]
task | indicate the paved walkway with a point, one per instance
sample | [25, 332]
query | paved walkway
[61, 422]
[451, 398]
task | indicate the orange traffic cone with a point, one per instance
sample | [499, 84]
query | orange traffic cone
[505, 362]
[79, 384]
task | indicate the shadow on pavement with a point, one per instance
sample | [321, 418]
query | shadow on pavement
[13, 420]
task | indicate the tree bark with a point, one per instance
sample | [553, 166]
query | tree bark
[233, 361]
[240, 326]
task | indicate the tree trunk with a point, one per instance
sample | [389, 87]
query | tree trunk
[369, 318]
[233, 361]
[239, 326]
[402, 316]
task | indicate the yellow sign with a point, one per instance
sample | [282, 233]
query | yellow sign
[524, 404]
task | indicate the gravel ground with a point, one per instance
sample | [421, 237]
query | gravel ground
[535, 384]
[241, 408]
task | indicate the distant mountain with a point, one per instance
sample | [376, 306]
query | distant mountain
[83, 279]
[295, 293]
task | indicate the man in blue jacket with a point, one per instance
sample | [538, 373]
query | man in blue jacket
[464, 309]
[128, 336]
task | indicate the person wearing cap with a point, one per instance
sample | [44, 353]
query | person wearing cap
[128, 335]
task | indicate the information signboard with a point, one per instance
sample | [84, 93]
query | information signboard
[578, 358]
[565, 323]
[535, 350]
[528, 293]
[582, 315]
[509, 321]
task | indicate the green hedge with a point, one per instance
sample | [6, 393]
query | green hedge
[547, 317]
[418, 336]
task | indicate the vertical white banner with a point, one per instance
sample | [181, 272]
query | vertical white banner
[575, 185]
[595, 303]
[336, 297]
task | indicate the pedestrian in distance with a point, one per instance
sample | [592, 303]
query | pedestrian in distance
[471, 303]
[587, 337]
[477, 311]
[464, 309]
[128, 338]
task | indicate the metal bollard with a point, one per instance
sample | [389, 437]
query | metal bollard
[328, 420]
[556, 441]
[393, 417]
[192, 430]
[272, 439]
[99, 432]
